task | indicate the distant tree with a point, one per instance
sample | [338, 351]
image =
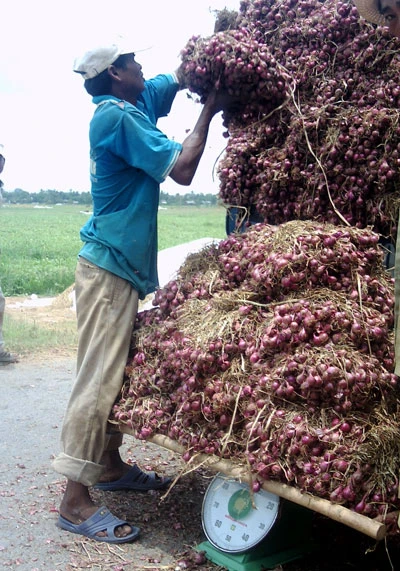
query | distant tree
[17, 196]
[51, 197]
[188, 199]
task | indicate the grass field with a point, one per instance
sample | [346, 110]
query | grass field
[39, 246]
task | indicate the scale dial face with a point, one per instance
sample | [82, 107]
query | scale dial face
[231, 521]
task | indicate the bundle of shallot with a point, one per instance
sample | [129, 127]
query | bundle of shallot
[237, 64]
[329, 150]
[274, 349]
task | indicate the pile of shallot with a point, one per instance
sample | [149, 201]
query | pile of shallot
[236, 63]
[274, 349]
[318, 139]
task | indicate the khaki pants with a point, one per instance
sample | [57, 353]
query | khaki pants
[106, 309]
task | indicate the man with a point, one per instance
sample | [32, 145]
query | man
[5, 357]
[117, 265]
[381, 12]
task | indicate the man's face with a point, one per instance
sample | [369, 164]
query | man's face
[391, 10]
[2, 163]
[132, 77]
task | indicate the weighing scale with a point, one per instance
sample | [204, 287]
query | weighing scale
[252, 532]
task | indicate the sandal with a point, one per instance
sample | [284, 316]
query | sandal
[101, 520]
[137, 480]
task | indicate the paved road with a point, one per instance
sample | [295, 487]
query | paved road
[31, 410]
[32, 404]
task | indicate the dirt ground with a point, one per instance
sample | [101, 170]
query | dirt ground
[34, 396]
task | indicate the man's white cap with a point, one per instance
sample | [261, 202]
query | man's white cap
[369, 9]
[100, 57]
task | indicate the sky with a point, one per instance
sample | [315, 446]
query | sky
[44, 108]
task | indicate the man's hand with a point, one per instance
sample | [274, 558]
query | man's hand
[180, 77]
[221, 100]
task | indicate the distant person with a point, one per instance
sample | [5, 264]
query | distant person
[384, 13]
[5, 357]
[117, 265]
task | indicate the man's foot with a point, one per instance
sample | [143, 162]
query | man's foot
[102, 526]
[78, 514]
[135, 480]
[118, 475]
[7, 358]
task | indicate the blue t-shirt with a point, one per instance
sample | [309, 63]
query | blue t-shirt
[129, 158]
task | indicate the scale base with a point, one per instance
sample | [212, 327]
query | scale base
[289, 539]
[254, 560]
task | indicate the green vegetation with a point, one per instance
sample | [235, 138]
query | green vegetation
[179, 225]
[25, 336]
[39, 246]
